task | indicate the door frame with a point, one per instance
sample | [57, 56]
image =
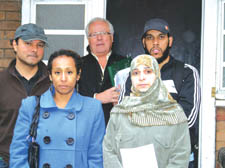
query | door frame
[207, 119]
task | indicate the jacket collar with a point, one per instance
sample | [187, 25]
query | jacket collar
[41, 66]
[168, 64]
[47, 100]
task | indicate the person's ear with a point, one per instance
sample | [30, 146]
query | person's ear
[143, 42]
[78, 75]
[170, 41]
[50, 77]
[14, 44]
[112, 38]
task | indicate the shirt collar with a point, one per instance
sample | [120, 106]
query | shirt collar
[35, 77]
[107, 56]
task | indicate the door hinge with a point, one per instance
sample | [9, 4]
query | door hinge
[213, 92]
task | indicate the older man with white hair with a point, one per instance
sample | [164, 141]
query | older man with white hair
[95, 81]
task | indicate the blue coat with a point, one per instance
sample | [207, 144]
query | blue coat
[67, 137]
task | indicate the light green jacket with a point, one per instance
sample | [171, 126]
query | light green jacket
[171, 142]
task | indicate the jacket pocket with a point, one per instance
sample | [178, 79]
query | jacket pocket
[125, 140]
[162, 141]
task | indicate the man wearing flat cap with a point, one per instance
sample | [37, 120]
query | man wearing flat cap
[181, 79]
[26, 75]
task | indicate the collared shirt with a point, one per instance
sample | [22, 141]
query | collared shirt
[28, 84]
[103, 69]
[107, 58]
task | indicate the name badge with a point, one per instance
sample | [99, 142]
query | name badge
[170, 86]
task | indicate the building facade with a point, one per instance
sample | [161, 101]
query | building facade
[212, 64]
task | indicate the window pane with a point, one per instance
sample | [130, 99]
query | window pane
[72, 42]
[223, 48]
[60, 16]
[223, 76]
[224, 17]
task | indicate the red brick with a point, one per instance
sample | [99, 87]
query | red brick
[10, 6]
[13, 16]
[10, 19]
[220, 109]
[1, 53]
[5, 44]
[1, 35]
[220, 114]
[220, 129]
[9, 53]
[220, 117]
[9, 35]
[220, 125]
[5, 62]
[9, 25]
[2, 15]
[220, 135]
[220, 144]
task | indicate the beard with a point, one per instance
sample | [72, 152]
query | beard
[164, 56]
[25, 62]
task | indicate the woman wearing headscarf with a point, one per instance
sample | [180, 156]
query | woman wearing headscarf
[148, 116]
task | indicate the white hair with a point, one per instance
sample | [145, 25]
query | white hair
[99, 19]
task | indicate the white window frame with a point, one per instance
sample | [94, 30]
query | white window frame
[209, 41]
[220, 90]
[95, 8]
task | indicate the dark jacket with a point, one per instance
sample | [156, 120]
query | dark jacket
[188, 96]
[12, 92]
[91, 79]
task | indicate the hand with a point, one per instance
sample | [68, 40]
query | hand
[110, 95]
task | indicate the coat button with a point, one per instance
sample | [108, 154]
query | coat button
[69, 166]
[71, 116]
[47, 139]
[70, 141]
[46, 165]
[45, 115]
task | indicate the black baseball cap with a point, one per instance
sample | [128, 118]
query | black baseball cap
[29, 32]
[156, 24]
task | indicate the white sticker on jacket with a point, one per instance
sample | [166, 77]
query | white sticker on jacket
[170, 86]
[143, 157]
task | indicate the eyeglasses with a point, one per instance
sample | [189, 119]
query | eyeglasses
[94, 35]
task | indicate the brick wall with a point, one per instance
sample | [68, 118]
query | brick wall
[10, 19]
[220, 129]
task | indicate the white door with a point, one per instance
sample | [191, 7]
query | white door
[209, 55]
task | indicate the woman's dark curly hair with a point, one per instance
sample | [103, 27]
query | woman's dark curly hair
[76, 57]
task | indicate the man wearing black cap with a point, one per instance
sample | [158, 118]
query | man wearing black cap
[25, 76]
[181, 80]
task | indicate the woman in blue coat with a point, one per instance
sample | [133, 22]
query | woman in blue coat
[71, 127]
